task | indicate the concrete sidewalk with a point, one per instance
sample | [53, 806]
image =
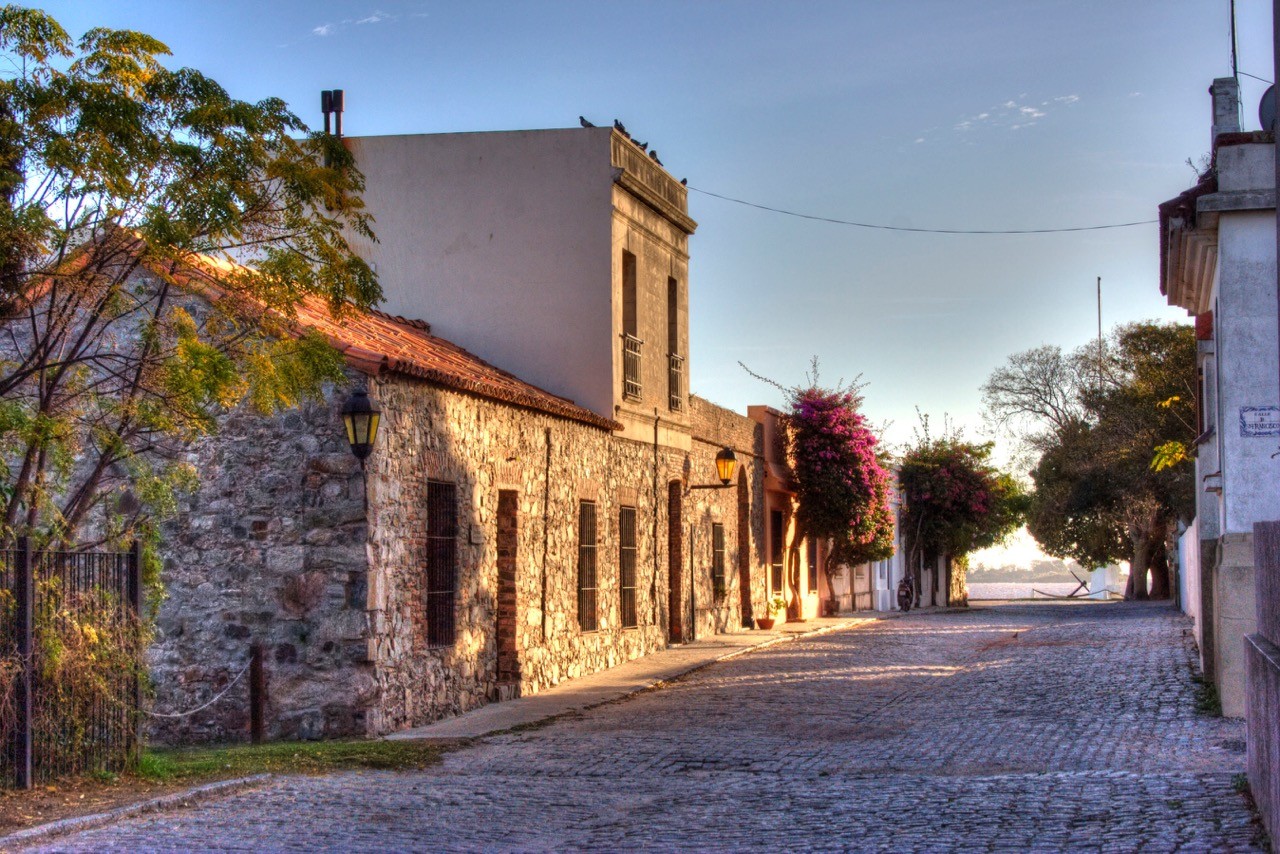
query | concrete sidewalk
[617, 682]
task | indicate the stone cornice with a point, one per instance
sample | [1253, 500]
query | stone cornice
[641, 176]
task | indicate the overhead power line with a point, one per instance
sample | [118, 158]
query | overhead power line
[1254, 76]
[880, 227]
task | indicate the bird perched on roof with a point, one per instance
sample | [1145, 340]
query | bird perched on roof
[643, 145]
[653, 155]
[583, 121]
[621, 128]
[684, 182]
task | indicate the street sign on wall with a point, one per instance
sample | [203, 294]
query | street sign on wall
[1260, 421]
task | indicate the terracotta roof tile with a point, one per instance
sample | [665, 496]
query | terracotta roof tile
[408, 347]
[375, 342]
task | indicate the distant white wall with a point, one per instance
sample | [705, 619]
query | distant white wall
[502, 242]
[1189, 589]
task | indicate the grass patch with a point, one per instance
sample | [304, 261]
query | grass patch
[284, 757]
[1207, 700]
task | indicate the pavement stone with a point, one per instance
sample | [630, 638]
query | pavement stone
[1022, 727]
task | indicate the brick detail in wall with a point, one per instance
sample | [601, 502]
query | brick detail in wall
[675, 561]
[508, 545]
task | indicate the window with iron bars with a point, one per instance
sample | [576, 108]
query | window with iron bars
[442, 562]
[587, 613]
[627, 566]
[631, 346]
[717, 560]
[675, 382]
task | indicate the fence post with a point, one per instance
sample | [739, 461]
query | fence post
[135, 606]
[257, 695]
[24, 613]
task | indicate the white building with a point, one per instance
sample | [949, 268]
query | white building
[1218, 262]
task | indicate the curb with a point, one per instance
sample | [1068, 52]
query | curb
[95, 820]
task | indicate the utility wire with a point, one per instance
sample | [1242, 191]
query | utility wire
[924, 230]
[1254, 76]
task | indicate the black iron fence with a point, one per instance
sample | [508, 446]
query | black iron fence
[71, 645]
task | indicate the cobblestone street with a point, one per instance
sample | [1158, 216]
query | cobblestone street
[1018, 727]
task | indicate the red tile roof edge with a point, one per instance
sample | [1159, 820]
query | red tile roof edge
[559, 406]
[373, 362]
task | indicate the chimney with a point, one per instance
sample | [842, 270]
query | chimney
[1226, 107]
[331, 105]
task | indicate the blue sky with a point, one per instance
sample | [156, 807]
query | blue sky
[930, 114]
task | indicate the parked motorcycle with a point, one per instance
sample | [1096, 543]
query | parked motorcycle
[906, 593]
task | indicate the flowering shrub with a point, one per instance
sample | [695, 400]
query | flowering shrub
[842, 487]
[956, 501]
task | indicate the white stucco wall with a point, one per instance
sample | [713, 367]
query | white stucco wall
[1189, 590]
[502, 242]
[1246, 361]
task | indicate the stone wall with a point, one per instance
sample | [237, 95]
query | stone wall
[739, 508]
[552, 464]
[271, 551]
[1262, 669]
[275, 550]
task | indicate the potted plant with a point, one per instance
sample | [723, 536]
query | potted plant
[775, 606]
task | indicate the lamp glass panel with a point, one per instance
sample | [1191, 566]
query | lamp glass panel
[724, 467]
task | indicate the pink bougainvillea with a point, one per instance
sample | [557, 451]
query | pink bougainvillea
[842, 487]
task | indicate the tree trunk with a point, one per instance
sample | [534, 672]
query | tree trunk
[1159, 571]
[1139, 565]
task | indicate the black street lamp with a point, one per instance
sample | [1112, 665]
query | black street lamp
[361, 415]
[726, 462]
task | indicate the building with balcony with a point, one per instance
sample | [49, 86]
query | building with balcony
[562, 255]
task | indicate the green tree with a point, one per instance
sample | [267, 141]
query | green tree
[1105, 490]
[955, 500]
[157, 237]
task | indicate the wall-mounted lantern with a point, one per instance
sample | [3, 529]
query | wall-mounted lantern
[726, 462]
[360, 416]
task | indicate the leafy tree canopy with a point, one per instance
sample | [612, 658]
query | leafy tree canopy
[1111, 480]
[125, 187]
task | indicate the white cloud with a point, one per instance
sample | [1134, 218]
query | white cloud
[1030, 112]
[323, 30]
[1067, 99]
[982, 116]
[377, 17]
[919, 140]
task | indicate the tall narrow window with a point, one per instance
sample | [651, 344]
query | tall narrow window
[775, 550]
[631, 343]
[630, 318]
[675, 360]
[442, 562]
[627, 566]
[813, 565]
[587, 615]
[717, 560]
